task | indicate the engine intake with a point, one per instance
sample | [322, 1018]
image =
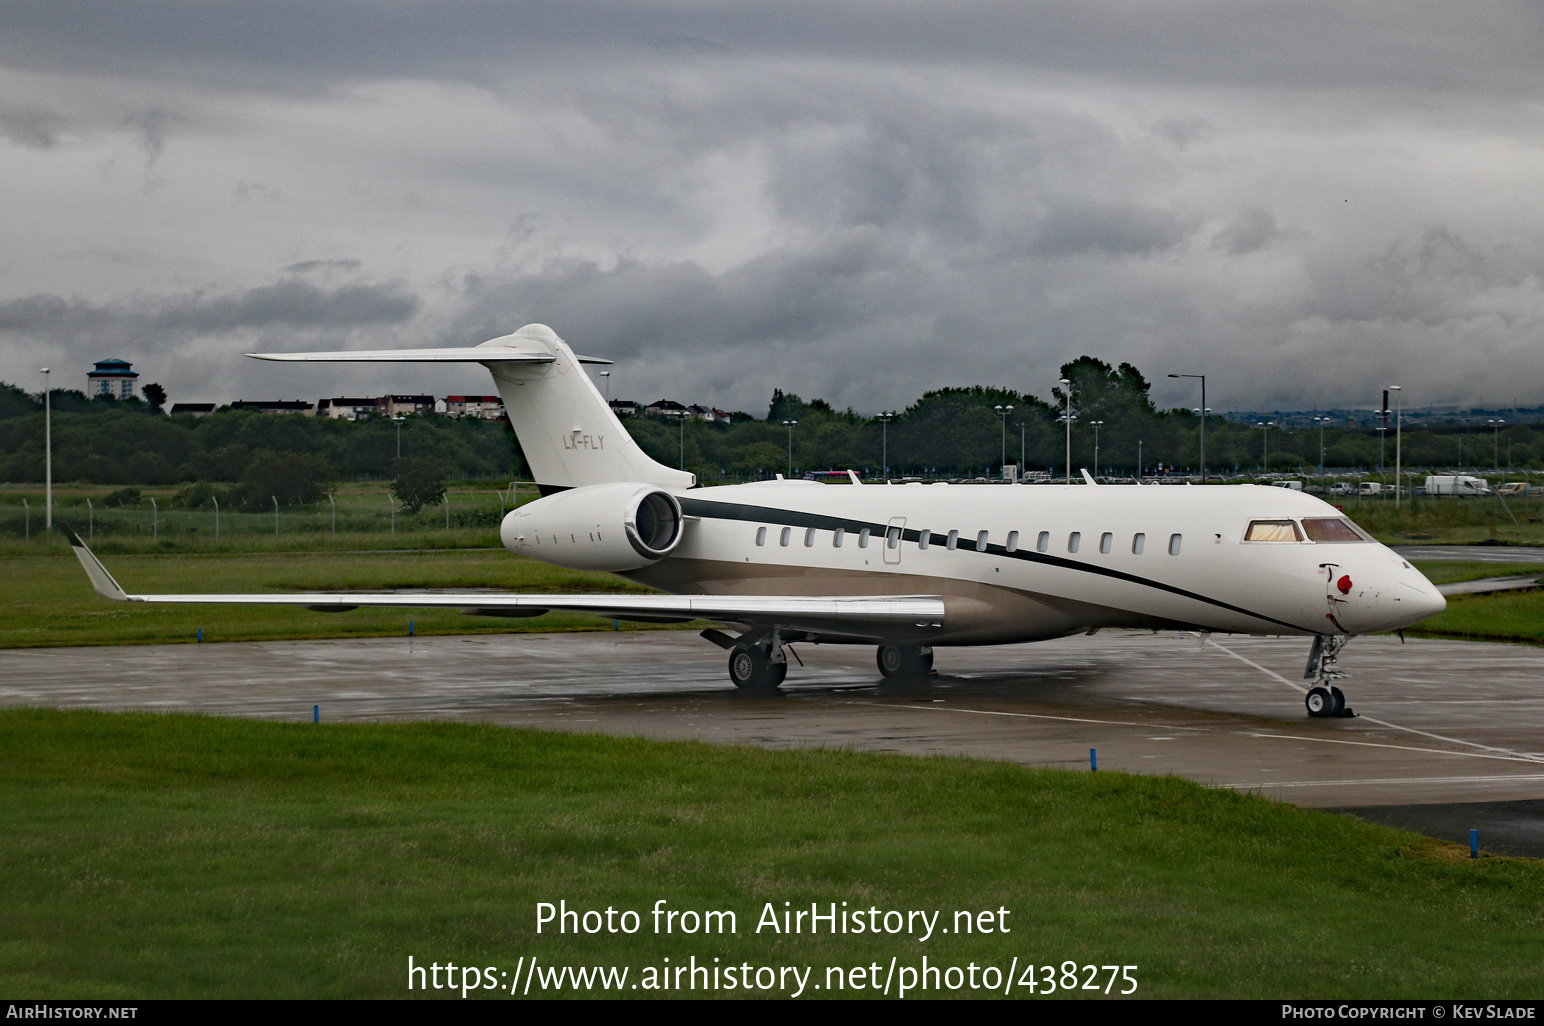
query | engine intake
[611, 527]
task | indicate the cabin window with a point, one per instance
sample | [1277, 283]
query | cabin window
[1332, 529]
[787, 534]
[809, 538]
[1106, 543]
[863, 537]
[761, 536]
[1043, 543]
[981, 542]
[1138, 543]
[836, 537]
[1074, 540]
[954, 539]
[924, 538]
[1013, 541]
[1174, 541]
[1273, 531]
[893, 538]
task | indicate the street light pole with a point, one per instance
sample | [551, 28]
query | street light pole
[399, 421]
[1002, 413]
[607, 376]
[789, 424]
[1321, 422]
[1495, 443]
[1204, 412]
[1067, 393]
[48, 458]
[1265, 458]
[1097, 424]
[884, 443]
[1398, 439]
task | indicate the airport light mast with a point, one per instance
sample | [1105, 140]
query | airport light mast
[1398, 453]
[1204, 412]
[48, 458]
[1067, 393]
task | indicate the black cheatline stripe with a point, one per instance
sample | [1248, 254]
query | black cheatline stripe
[793, 518]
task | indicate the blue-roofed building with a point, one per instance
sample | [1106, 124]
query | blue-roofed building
[112, 378]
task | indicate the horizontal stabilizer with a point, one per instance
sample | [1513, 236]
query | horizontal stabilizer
[460, 354]
[856, 615]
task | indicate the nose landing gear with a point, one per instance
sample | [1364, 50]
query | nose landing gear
[1324, 699]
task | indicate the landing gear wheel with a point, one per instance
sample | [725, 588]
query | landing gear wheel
[904, 661]
[1340, 703]
[750, 669]
[1320, 702]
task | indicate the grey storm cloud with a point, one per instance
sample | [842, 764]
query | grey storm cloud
[857, 200]
[33, 127]
[284, 303]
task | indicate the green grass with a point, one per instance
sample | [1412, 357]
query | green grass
[1504, 616]
[48, 601]
[151, 856]
[1447, 573]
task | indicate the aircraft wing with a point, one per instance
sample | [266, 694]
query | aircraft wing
[849, 615]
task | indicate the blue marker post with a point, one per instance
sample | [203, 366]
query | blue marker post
[1093, 760]
[1474, 844]
[410, 628]
[200, 635]
[316, 714]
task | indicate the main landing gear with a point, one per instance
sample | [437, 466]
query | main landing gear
[905, 660]
[1324, 699]
[757, 667]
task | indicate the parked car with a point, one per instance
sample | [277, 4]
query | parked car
[1514, 488]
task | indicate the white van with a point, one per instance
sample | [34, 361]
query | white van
[1456, 484]
[1296, 486]
[1369, 488]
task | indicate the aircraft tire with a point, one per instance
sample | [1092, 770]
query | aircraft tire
[751, 670]
[904, 661]
[1319, 702]
[1339, 698]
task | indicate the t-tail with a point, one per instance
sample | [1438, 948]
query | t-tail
[567, 431]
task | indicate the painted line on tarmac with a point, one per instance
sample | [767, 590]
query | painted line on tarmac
[1383, 780]
[1402, 748]
[1500, 752]
[1030, 716]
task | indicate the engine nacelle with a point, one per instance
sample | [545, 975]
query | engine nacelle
[620, 526]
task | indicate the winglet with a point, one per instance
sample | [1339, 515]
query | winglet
[1088, 478]
[101, 580]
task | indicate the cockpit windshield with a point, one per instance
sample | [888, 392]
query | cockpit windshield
[1333, 529]
[1273, 531]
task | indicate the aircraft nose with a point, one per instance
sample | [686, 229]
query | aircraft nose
[1423, 599]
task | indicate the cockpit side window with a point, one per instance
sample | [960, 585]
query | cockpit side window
[1273, 531]
[1333, 529]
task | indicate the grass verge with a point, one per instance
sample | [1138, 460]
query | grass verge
[176, 856]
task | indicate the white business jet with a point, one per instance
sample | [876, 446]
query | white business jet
[906, 567]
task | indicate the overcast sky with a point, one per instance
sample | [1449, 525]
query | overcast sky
[855, 200]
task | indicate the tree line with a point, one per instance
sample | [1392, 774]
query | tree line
[948, 432]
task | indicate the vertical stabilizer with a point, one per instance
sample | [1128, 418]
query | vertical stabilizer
[567, 431]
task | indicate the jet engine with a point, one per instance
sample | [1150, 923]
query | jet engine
[613, 527]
